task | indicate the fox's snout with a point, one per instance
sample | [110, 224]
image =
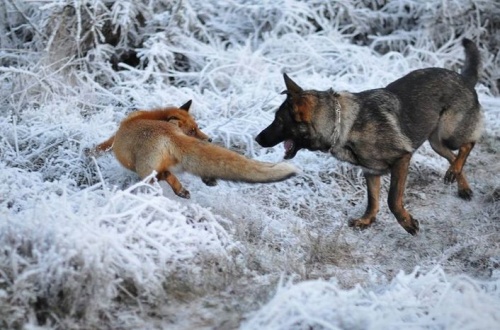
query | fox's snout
[206, 138]
[202, 136]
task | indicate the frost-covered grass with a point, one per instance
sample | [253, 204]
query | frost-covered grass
[85, 244]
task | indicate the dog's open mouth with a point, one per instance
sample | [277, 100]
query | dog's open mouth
[290, 149]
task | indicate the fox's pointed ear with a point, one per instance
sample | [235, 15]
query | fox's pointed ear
[186, 105]
[291, 86]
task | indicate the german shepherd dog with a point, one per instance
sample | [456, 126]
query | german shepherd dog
[380, 129]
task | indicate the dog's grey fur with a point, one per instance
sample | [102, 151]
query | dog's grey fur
[380, 129]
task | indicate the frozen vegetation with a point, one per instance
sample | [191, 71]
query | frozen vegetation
[84, 244]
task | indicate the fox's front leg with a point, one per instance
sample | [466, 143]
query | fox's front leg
[100, 148]
[373, 187]
[174, 184]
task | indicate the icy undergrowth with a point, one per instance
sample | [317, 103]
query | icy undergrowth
[411, 301]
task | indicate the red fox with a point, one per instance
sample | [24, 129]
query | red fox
[178, 116]
[167, 139]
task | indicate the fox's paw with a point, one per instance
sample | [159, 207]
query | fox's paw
[209, 181]
[88, 152]
[91, 152]
[183, 193]
[361, 223]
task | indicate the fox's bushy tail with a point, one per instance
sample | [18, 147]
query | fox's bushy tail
[211, 161]
[472, 64]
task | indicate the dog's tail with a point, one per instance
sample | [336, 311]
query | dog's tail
[208, 160]
[470, 70]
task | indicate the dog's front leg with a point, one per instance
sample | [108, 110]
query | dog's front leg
[399, 172]
[373, 188]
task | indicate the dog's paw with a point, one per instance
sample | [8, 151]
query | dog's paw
[183, 193]
[465, 194]
[450, 176]
[209, 181]
[411, 225]
[361, 223]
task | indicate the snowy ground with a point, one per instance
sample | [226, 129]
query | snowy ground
[84, 244]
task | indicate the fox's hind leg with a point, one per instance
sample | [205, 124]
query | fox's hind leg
[455, 171]
[150, 162]
[373, 187]
[174, 183]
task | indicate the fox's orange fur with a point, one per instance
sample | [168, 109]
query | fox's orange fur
[178, 116]
[165, 139]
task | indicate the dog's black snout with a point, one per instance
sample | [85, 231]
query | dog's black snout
[263, 140]
[209, 140]
[258, 139]
[267, 139]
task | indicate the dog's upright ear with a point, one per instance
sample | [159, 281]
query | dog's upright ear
[186, 105]
[302, 104]
[291, 87]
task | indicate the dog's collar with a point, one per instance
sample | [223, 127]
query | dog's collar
[337, 109]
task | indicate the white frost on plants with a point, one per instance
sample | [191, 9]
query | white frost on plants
[432, 300]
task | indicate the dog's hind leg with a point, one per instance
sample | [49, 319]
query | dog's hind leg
[455, 172]
[399, 172]
[373, 188]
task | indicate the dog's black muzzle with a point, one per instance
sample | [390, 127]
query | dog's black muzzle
[269, 137]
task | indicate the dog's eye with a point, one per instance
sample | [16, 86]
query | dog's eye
[192, 132]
